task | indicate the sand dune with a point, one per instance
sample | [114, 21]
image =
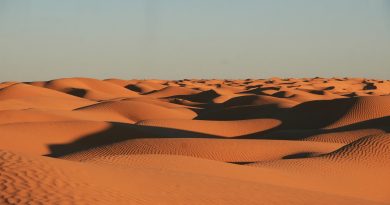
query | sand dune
[218, 128]
[362, 165]
[88, 183]
[35, 137]
[89, 88]
[145, 87]
[260, 100]
[195, 141]
[172, 91]
[23, 96]
[363, 109]
[233, 151]
[139, 110]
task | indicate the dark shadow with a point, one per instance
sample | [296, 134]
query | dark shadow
[283, 94]
[150, 92]
[317, 92]
[351, 95]
[78, 92]
[298, 155]
[315, 114]
[245, 100]
[278, 133]
[134, 88]
[307, 115]
[259, 90]
[239, 112]
[202, 97]
[330, 88]
[298, 122]
[240, 163]
[369, 86]
[120, 132]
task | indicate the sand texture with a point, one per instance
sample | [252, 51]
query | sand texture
[194, 141]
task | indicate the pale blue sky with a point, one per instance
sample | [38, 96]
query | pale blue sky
[173, 39]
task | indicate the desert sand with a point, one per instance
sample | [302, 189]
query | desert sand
[195, 141]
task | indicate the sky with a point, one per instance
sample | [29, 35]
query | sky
[175, 39]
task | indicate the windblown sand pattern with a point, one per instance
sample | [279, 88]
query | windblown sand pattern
[252, 141]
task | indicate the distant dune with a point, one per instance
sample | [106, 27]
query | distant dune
[195, 141]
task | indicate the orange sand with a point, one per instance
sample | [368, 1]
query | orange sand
[267, 141]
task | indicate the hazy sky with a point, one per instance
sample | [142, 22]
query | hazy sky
[173, 39]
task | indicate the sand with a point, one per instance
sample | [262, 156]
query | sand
[195, 141]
